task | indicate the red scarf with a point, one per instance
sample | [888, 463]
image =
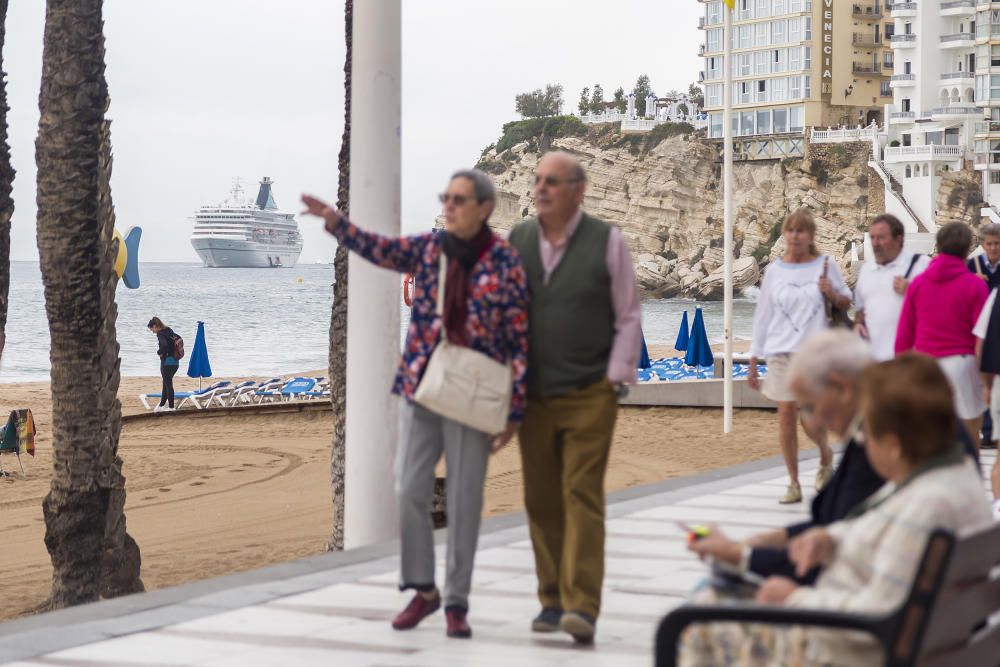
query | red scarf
[462, 256]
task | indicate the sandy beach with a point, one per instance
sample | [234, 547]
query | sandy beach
[211, 496]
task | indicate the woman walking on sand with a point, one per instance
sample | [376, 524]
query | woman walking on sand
[168, 362]
[483, 309]
[791, 307]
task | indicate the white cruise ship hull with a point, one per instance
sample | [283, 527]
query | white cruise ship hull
[232, 253]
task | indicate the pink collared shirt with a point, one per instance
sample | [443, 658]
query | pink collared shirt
[625, 347]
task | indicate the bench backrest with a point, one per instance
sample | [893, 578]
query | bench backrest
[955, 630]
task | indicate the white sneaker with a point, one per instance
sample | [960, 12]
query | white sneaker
[159, 408]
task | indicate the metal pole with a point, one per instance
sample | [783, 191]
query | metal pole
[727, 216]
[373, 293]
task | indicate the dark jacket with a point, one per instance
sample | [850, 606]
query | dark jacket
[165, 339]
[992, 279]
[852, 482]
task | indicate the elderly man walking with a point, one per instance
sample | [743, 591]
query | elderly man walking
[584, 322]
[881, 286]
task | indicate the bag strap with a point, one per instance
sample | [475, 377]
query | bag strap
[826, 265]
[442, 279]
[913, 263]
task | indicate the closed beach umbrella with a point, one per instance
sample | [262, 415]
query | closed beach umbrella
[682, 334]
[699, 352]
[198, 364]
[643, 353]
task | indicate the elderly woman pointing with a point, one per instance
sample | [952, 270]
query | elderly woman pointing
[469, 312]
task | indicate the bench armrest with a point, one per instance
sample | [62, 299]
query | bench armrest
[669, 632]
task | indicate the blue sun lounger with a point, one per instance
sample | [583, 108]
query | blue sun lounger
[184, 396]
[292, 389]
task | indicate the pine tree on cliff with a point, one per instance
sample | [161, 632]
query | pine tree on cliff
[6, 186]
[84, 521]
[338, 317]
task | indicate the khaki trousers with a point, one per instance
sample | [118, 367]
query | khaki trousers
[564, 443]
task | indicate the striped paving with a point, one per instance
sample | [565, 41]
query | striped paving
[336, 611]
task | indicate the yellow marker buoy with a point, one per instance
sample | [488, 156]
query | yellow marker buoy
[299, 280]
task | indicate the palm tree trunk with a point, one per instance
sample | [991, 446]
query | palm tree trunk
[76, 258]
[338, 317]
[6, 186]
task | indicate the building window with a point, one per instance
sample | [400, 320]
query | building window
[761, 90]
[907, 171]
[713, 13]
[797, 119]
[927, 169]
[714, 39]
[779, 90]
[763, 122]
[746, 123]
[763, 34]
[995, 178]
[780, 121]
[713, 95]
[760, 64]
[780, 7]
[793, 32]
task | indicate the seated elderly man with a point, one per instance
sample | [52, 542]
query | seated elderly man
[869, 558]
[824, 375]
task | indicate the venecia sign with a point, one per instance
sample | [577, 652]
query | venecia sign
[827, 40]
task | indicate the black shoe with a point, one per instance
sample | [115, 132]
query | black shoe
[989, 444]
[581, 626]
[547, 621]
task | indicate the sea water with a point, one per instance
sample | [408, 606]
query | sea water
[257, 321]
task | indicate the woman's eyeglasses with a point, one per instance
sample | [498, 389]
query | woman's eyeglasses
[460, 200]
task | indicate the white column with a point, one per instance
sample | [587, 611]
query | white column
[374, 294]
[630, 110]
[727, 218]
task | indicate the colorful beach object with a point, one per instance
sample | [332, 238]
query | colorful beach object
[17, 437]
[699, 352]
[198, 363]
[127, 259]
[681, 344]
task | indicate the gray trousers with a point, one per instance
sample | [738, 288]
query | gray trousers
[423, 436]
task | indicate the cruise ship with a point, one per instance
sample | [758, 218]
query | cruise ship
[244, 233]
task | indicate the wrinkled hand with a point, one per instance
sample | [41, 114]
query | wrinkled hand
[717, 546]
[320, 209]
[503, 438]
[775, 590]
[825, 287]
[899, 285]
[862, 331]
[811, 548]
[753, 379]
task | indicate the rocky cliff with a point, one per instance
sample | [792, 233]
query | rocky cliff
[667, 200]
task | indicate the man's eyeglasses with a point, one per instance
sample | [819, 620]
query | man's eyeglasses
[553, 182]
[459, 200]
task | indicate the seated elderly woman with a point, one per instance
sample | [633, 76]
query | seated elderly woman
[870, 557]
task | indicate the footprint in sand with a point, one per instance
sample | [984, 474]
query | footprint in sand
[197, 483]
[149, 497]
[237, 470]
[167, 490]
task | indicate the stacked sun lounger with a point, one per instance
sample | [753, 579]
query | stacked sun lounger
[248, 392]
[671, 369]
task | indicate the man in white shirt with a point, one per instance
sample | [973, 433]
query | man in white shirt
[878, 294]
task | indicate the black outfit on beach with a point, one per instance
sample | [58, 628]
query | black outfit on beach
[993, 282]
[168, 365]
[852, 483]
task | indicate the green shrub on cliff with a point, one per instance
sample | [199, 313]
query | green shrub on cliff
[534, 128]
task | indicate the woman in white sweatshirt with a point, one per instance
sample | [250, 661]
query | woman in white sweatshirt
[790, 309]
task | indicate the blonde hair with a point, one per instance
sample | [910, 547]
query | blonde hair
[802, 220]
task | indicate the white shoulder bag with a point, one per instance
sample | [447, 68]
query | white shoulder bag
[462, 384]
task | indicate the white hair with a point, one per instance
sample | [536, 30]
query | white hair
[831, 351]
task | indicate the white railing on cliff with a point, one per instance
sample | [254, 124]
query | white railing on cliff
[647, 124]
[844, 134]
[610, 117]
[929, 151]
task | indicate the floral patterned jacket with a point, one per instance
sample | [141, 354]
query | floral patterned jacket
[497, 324]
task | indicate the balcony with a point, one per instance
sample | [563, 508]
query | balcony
[867, 13]
[904, 41]
[902, 117]
[903, 80]
[987, 127]
[866, 68]
[701, 49]
[885, 90]
[955, 112]
[701, 23]
[961, 40]
[902, 10]
[958, 8]
[865, 40]
[949, 78]
[928, 152]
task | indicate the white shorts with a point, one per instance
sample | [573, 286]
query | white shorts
[966, 383]
[776, 382]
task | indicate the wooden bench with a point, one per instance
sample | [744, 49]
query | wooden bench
[942, 623]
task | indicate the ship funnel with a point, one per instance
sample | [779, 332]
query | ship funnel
[265, 200]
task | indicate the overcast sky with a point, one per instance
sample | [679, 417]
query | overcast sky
[206, 90]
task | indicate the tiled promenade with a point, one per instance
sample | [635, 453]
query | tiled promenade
[335, 609]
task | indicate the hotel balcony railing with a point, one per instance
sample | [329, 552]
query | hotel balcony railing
[701, 22]
[924, 151]
[701, 49]
[957, 75]
[903, 6]
[902, 114]
[958, 3]
[869, 12]
[904, 77]
[866, 68]
[906, 37]
[957, 37]
[956, 110]
[864, 39]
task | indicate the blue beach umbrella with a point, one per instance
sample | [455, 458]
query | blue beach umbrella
[644, 361]
[198, 364]
[699, 352]
[681, 344]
